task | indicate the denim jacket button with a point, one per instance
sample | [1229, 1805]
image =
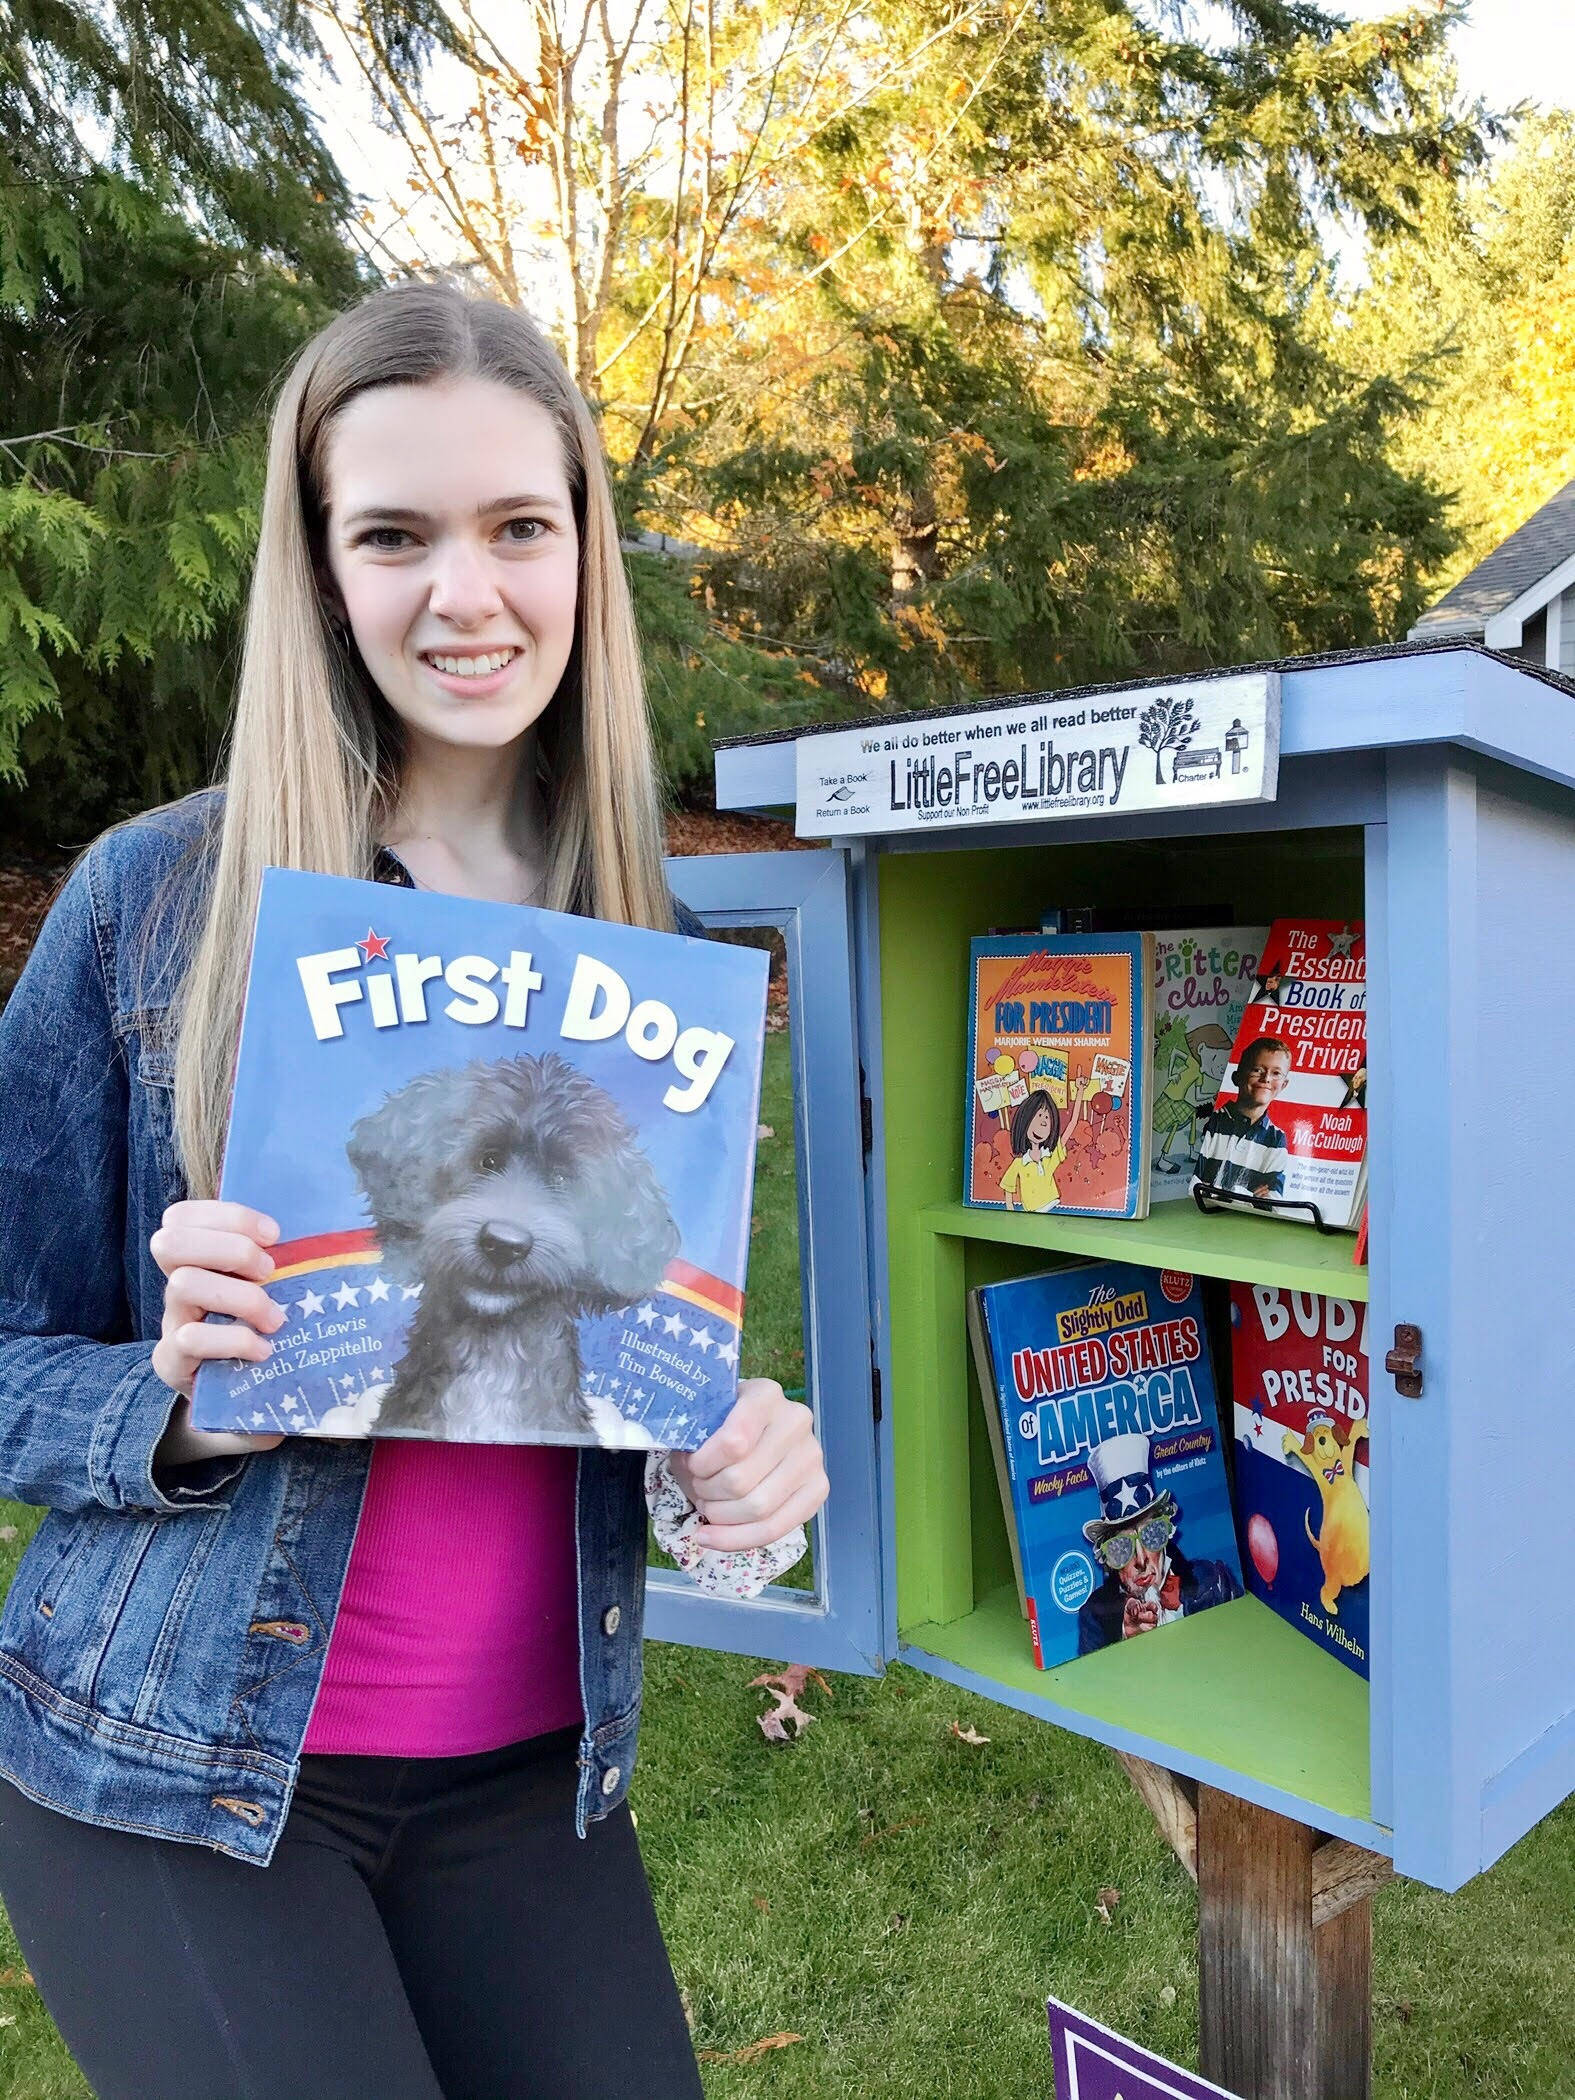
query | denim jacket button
[612, 1619]
[610, 1779]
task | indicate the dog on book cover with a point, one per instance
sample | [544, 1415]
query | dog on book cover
[1136, 1539]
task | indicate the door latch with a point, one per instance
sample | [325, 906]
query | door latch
[1404, 1361]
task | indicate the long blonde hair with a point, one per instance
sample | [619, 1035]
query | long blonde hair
[315, 750]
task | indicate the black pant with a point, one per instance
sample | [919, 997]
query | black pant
[427, 1929]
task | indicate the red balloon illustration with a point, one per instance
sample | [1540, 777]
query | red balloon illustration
[1264, 1548]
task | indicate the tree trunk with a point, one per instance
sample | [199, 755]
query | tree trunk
[913, 559]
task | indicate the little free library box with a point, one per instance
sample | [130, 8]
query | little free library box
[1425, 792]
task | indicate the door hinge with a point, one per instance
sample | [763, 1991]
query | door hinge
[875, 1388]
[1404, 1361]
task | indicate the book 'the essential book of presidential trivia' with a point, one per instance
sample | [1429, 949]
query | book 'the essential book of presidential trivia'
[1288, 1134]
[511, 1155]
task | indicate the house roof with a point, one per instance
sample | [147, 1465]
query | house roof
[1541, 545]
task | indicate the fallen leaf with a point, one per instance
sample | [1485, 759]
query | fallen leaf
[7, 2019]
[1168, 1995]
[762, 1903]
[785, 1687]
[897, 1922]
[7, 1532]
[1105, 1903]
[764, 1130]
[750, 2053]
[1404, 2009]
[873, 1837]
[11, 1978]
[967, 1735]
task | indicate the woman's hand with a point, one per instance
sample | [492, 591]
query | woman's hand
[758, 1475]
[215, 1259]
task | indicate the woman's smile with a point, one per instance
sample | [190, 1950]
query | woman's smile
[473, 672]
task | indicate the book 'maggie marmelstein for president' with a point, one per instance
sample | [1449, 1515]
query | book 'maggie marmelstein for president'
[511, 1155]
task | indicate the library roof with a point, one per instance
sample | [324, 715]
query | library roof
[1432, 645]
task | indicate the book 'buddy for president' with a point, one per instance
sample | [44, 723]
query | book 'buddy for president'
[1299, 1384]
[1109, 1440]
[511, 1155]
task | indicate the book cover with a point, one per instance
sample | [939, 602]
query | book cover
[984, 1373]
[1299, 1386]
[1288, 1134]
[1106, 1394]
[1059, 1049]
[511, 1155]
[1202, 978]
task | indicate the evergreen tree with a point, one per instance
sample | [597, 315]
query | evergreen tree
[1059, 391]
[170, 228]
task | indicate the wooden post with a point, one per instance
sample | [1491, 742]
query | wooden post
[1285, 1941]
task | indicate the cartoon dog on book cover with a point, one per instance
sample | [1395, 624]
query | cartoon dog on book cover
[1136, 1539]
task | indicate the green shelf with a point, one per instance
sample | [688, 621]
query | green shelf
[1234, 1687]
[1174, 1236]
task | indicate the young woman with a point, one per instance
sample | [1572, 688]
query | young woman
[313, 1755]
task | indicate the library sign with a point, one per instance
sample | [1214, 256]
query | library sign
[1199, 743]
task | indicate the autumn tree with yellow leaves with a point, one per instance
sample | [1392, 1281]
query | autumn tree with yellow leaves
[977, 343]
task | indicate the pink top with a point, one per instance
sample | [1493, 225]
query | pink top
[457, 1631]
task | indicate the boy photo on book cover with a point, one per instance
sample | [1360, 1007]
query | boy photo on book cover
[1149, 1581]
[1241, 1150]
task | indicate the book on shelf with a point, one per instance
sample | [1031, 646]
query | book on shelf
[1288, 1134]
[1060, 1046]
[1203, 976]
[1112, 1471]
[984, 1371]
[511, 1155]
[1299, 1390]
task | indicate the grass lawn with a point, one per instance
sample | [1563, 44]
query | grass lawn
[903, 1900]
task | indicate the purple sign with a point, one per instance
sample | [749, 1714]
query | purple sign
[1093, 2063]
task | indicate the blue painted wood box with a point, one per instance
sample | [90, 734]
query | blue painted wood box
[1432, 792]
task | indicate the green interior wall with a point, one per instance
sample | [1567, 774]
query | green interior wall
[954, 1593]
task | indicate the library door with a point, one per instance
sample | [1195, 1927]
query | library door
[806, 1319]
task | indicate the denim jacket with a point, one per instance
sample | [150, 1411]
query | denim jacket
[163, 1642]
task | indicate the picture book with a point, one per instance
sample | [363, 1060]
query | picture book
[1060, 1043]
[1299, 1383]
[1288, 1134]
[511, 1155]
[1102, 1379]
[1202, 976]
